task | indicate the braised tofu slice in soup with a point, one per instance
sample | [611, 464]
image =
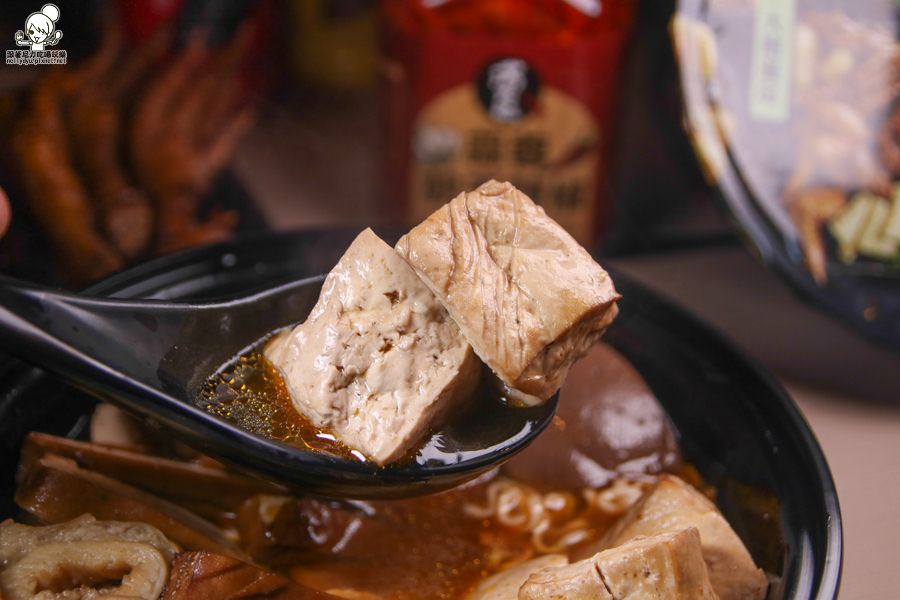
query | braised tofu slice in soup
[379, 360]
[505, 585]
[663, 567]
[526, 295]
[672, 505]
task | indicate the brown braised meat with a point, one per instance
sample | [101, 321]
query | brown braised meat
[184, 130]
[56, 194]
[115, 160]
[96, 118]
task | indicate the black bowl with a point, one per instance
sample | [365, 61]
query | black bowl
[734, 422]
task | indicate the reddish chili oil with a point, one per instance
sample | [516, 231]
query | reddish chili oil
[251, 393]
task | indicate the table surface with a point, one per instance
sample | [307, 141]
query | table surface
[847, 388]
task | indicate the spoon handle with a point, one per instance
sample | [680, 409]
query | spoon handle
[79, 338]
[168, 346]
[26, 327]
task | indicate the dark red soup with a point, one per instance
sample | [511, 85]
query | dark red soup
[556, 497]
[559, 496]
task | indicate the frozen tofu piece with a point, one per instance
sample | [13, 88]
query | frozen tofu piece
[379, 360]
[529, 299]
[672, 505]
[663, 567]
[505, 584]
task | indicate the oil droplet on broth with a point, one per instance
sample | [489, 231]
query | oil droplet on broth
[250, 393]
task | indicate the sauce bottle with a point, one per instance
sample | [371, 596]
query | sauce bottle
[516, 90]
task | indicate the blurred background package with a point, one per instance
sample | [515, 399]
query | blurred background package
[518, 90]
[333, 43]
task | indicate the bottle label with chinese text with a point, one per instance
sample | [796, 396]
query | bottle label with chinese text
[476, 107]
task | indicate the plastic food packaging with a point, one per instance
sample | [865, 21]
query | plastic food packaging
[517, 90]
[792, 107]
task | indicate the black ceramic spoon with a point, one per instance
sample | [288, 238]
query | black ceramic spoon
[152, 357]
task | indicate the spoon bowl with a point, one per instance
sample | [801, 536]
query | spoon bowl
[152, 357]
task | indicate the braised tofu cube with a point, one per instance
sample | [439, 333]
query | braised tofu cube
[526, 295]
[672, 505]
[379, 360]
[663, 567]
[505, 585]
[578, 581]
